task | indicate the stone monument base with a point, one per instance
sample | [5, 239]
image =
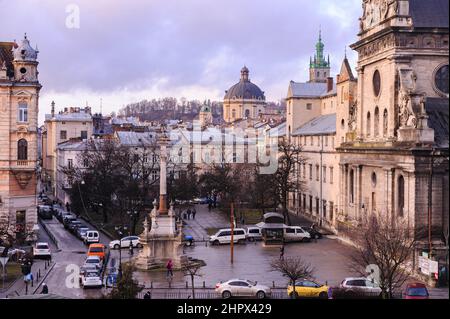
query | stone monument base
[417, 135]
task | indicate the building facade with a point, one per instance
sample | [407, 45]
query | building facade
[73, 122]
[19, 106]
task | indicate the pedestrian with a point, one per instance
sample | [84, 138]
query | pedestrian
[44, 289]
[184, 215]
[188, 214]
[148, 295]
[169, 267]
[130, 251]
[194, 212]
[282, 252]
[209, 206]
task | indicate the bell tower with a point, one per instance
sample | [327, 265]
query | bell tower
[319, 68]
[25, 62]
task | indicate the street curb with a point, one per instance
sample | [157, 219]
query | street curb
[49, 233]
[45, 277]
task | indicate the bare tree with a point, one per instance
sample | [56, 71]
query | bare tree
[384, 251]
[285, 180]
[191, 268]
[295, 268]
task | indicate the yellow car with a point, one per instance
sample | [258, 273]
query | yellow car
[308, 289]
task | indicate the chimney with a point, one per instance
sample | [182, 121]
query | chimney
[53, 109]
[329, 84]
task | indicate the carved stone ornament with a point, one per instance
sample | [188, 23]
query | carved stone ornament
[353, 112]
[375, 11]
[409, 100]
[23, 178]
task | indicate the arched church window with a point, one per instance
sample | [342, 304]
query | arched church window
[22, 150]
[368, 126]
[22, 115]
[385, 123]
[441, 79]
[401, 195]
[376, 123]
[376, 81]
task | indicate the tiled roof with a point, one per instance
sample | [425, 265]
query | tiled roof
[278, 131]
[70, 117]
[437, 110]
[307, 90]
[325, 124]
[73, 145]
[136, 138]
[429, 13]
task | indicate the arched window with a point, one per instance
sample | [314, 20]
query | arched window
[352, 186]
[401, 195]
[233, 113]
[22, 150]
[22, 115]
[385, 123]
[376, 122]
[247, 113]
[368, 126]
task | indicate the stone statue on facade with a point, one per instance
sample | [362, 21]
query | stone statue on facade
[353, 111]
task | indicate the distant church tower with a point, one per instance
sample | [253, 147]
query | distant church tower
[205, 115]
[319, 69]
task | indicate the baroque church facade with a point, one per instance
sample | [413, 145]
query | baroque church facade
[378, 142]
[19, 101]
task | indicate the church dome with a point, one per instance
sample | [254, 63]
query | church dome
[24, 51]
[245, 89]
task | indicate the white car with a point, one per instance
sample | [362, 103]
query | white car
[242, 288]
[125, 242]
[254, 233]
[91, 279]
[92, 237]
[42, 250]
[223, 236]
[296, 233]
[360, 284]
[93, 260]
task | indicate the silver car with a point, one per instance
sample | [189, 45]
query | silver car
[242, 288]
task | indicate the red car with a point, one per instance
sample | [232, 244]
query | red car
[416, 291]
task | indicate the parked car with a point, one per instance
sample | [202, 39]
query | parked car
[296, 233]
[72, 226]
[44, 212]
[67, 220]
[254, 233]
[93, 260]
[81, 232]
[89, 268]
[42, 250]
[125, 242]
[223, 236]
[416, 291]
[242, 288]
[91, 279]
[97, 250]
[314, 232]
[62, 215]
[308, 289]
[201, 200]
[92, 236]
[361, 285]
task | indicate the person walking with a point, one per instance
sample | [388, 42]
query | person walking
[169, 267]
[44, 289]
[194, 212]
[282, 252]
[188, 214]
[130, 248]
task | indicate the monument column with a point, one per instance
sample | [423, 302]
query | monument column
[163, 142]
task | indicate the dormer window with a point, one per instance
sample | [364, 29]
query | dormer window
[23, 112]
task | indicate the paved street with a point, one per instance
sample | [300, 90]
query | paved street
[328, 256]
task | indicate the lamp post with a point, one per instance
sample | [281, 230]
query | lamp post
[120, 231]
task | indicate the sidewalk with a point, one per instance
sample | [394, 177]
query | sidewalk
[40, 270]
[204, 219]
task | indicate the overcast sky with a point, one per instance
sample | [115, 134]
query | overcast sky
[126, 51]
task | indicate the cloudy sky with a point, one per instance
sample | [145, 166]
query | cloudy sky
[125, 51]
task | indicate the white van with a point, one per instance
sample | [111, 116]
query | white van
[223, 236]
[92, 236]
[254, 233]
[295, 233]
